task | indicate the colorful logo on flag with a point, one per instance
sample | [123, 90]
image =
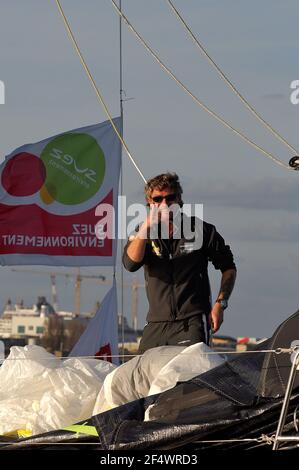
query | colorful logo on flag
[74, 169]
[49, 193]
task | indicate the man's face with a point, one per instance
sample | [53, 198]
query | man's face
[164, 197]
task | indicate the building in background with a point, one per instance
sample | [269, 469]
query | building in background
[56, 331]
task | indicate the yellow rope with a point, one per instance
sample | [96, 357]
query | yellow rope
[96, 89]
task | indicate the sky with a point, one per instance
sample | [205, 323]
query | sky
[252, 201]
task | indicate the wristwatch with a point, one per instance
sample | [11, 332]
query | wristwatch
[223, 303]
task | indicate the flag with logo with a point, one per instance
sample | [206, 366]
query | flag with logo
[50, 195]
[101, 335]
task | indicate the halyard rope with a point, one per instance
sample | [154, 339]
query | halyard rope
[228, 81]
[95, 87]
[169, 72]
[195, 98]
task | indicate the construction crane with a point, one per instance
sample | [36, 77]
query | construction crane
[78, 280]
[135, 285]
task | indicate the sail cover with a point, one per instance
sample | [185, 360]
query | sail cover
[246, 390]
[240, 398]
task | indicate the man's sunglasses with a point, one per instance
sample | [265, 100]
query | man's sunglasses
[168, 198]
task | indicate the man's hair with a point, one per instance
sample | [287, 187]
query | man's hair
[163, 181]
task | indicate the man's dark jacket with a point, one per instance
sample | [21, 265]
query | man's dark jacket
[176, 272]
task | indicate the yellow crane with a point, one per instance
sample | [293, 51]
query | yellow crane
[78, 280]
[134, 285]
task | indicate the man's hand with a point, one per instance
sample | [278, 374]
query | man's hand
[149, 229]
[227, 284]
[216, 317]
[157, 215]
[150, 222]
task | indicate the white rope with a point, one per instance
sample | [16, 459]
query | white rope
[96, 89]
[208, 353]
[295, 419]
[195, 98]
[264, 438]
[228, 81]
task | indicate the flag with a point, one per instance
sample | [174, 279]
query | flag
[101, 335]
[50, 193]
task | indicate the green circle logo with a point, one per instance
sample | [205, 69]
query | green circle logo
[75, 168]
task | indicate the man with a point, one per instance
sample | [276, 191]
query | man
[175, 269]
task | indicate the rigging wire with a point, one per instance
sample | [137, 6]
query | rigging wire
[95, 87]
[276, 351]
[228, 81]
[195, 98]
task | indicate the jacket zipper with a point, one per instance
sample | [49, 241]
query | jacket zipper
[173, 296]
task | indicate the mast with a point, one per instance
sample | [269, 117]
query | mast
[121, 71]
[78, 293]
[121, 173]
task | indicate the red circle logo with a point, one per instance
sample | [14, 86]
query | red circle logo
[23, 175]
